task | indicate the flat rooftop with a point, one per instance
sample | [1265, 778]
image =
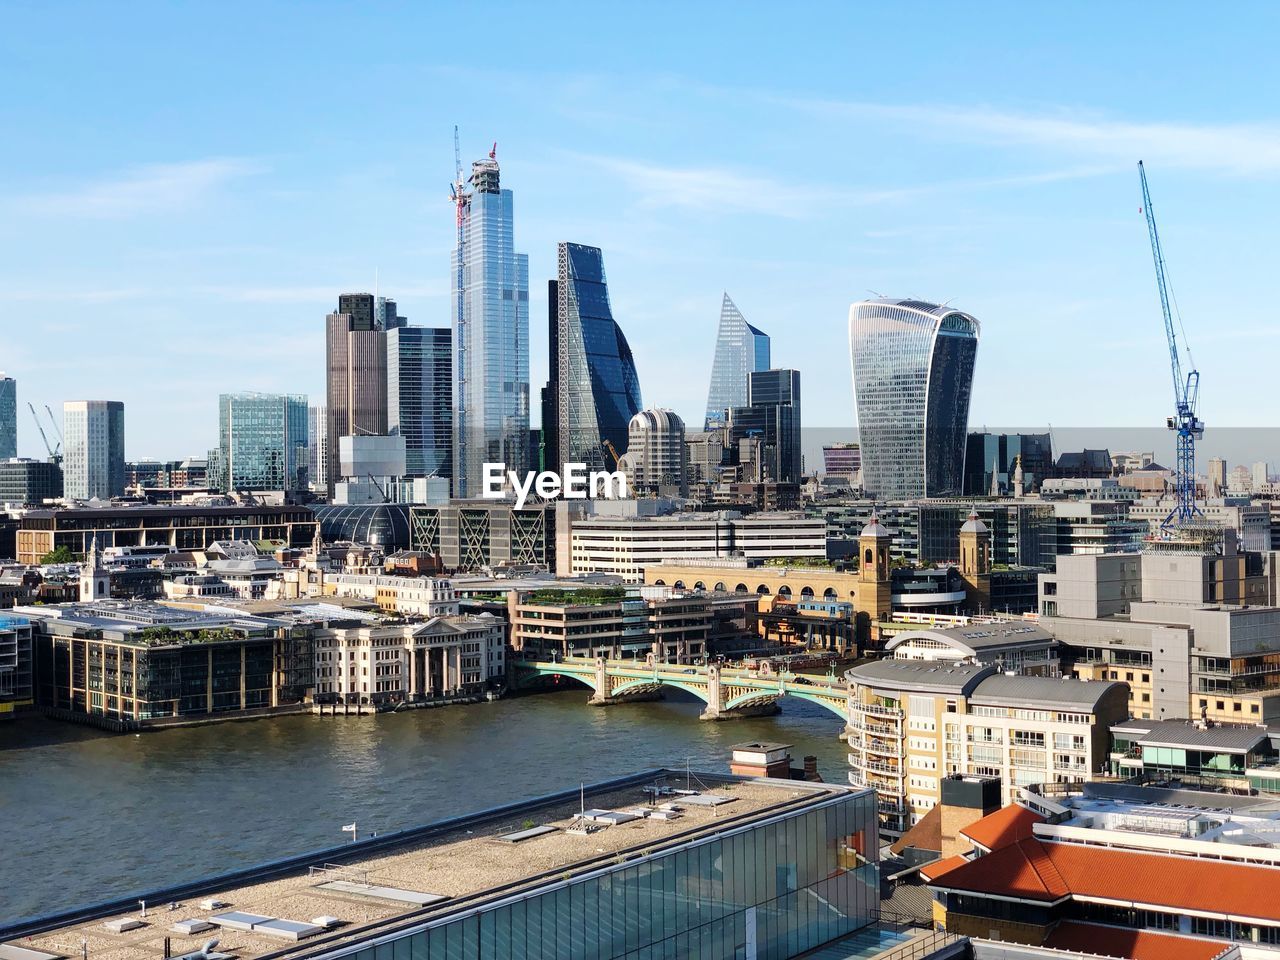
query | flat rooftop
[366, 889]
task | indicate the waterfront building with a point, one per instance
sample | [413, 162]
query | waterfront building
[608, 623]
[29, 482]
[992, 459]
[17, 691]
[741, 350]
[625, 542]
[182, 526]
[771, 420]
[93, 450]
[471, 534]
[914, 721]
[355, 375]
[664, 863]
[262, 443]
[129, 662]
[8, 417]
[1116, 870]
[1008, 645]
[842, 460]
[912, 377]
[655, 461]
[420, 397]
[598, 389]
[490, 301]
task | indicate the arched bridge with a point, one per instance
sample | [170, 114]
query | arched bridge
[726, 692]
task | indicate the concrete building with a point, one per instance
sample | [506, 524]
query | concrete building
[1217, 477]
[369, 469]
[17, 691]
[93, 450]
[633, 866]
[656, 458]
[408, 596]
[608, 623]
[1094, 527]
[1250, 521]
[29, 482]
[317, 448]
[913, 722]
[471, 534]
[355, 374]
[8, 417]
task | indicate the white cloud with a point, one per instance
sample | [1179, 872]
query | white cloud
[154, 188]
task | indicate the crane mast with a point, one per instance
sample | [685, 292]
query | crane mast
[1186, 390]
[462, 335]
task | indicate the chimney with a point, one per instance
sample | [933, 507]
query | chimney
[811, 770]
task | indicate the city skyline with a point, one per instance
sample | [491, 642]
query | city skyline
[1025, 209]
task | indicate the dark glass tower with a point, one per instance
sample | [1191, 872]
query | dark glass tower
[772, 415]
[598, 390]
[912, 376]
[420, 397]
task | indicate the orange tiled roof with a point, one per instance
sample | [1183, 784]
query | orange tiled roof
[1046, 871]
[932, 871]
[1007, 825]
[1095, 938]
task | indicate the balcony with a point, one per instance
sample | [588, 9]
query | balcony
[878, 766]
[876, 710]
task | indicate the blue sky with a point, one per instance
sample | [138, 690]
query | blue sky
[186, 188]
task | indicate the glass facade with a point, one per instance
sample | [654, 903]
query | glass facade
[772, 889]
[420, 397]
[93, 449]
[599, 390]
[772, 415]
[262, 442]
[991, 458]
[490, 337]
[912, 377]
[386, 524]
[741, 349]
[355, 373]
[8, 418]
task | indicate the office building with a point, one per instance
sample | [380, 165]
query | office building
[842, 460]
[93, 451]
[741, 350]
[16, 677]
[317, 448]
[29, 482]
[262, 443]
[8, 417]
[631, 867]
[991, 461]
[1260, 475]
[490, 313]
[771, 423]
[355, 375]
[184, 527]
[1217, 476]
[912, 376]
[598, 390]
[470, 534]
[913, 722]
[656, 457]
[420, 397]
[608, 623]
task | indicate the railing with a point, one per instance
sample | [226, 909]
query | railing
[875, 710]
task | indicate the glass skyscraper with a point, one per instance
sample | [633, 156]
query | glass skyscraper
[420, 397]
[490, 336]
[741, 349]
[912, 377]
[262, 442]
[8, 417]
[772, 416]
[93, 451]
[598, 388]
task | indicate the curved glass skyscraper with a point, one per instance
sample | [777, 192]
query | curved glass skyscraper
[741, 350]
[912, 376]
[598, 388]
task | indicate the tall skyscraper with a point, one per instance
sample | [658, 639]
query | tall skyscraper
[8, 417]
[912, 377]
[549, 436]
[656, 461]
[317, 445]
[772, 416]
[93, 449]
[262, 442]
[420, 397]
[741, 349]
[490, 334]
[356, 374]
[598, 391]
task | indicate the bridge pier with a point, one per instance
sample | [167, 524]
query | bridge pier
[769, 709]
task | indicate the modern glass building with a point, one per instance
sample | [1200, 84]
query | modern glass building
[262, 442]
[991, 459]
[93, 449]
[741, 349]
[384, 524]
[8, 417]
[772, 416]
[355, 373]
[420, 397]
[912, 377]
[598, 390]
[490, 336]
[317, 448]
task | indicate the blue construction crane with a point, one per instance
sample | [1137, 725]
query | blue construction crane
[1186, 391]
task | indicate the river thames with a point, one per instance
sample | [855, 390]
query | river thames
[89, 816]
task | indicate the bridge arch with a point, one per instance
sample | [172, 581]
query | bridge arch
[839, 707]
[699, 692]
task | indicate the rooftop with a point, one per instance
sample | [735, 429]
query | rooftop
[432, 871]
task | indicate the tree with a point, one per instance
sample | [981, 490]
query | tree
[58, 555]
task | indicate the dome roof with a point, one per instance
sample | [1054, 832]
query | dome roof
[973, 524]
[657, 419]
[875, 528]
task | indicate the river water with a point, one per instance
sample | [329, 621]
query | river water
[87, 816]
